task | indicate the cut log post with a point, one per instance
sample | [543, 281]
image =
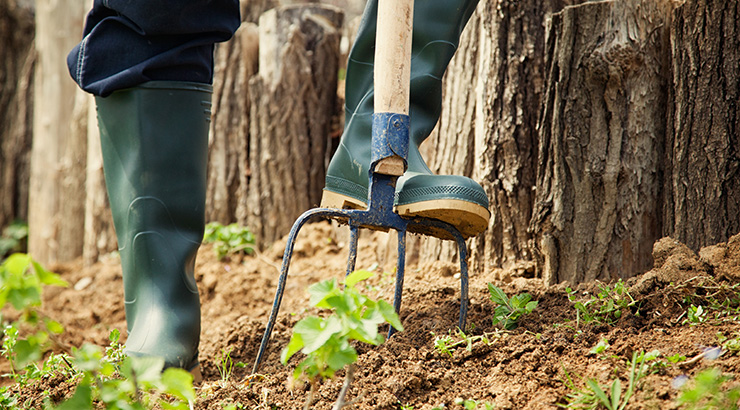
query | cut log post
[601, 135]
[292, 101]
[702, 185]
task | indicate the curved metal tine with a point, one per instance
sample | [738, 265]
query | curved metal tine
[354, 233]
[463, 254]
[400, 272]
[281, 285]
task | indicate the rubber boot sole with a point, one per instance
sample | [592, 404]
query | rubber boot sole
[197, 374]
[469, 218]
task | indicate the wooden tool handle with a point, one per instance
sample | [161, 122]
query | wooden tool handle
[393, 56]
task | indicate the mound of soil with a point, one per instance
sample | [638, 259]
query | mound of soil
[525, 368]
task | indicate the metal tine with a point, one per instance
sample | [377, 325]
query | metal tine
[354, 233]
[463, 255]
[400, 272]
[287, 255]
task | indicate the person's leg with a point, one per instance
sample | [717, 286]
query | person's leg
[457, 200]
[154, 139]
[150, 65]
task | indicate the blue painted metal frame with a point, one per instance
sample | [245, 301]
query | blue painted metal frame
[390, 138]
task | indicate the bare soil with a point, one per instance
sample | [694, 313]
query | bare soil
[520, 369]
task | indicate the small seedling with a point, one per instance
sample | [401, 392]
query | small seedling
[326, 341]
[709, 390]
[600, 347]
[605, 307]
[695, 315]
[470, 404]
[21, 282]
[229, 240]
[731, 345]
[612, 398]
[508, 311]
[447, 344]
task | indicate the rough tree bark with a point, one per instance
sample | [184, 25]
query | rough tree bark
[703, 183]
[228, 157]
[228, 165]
[487, 129]
[601, 135]
[57, 184]
[16, 107]
[292, 102]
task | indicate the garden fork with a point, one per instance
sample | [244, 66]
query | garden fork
[390, 141]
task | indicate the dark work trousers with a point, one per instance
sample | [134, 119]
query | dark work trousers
[129, 42]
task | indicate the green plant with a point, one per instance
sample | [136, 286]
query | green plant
[21, 282]
[708, 391]
[405, 406]
[606, 307]
[230, 239]
[13, 238]
[326, 341]
[447, 344]
[592, 396]
[600, 347]
[227, 365]
[509, 310]
[135, 383]
[695, 315]
[731, 345]
[470, 404]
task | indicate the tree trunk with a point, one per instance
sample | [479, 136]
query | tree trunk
[228, 165]
[487, 129]
[601, 135]
[703, 186]
[292, 103]
[57, 185]
[16, 107]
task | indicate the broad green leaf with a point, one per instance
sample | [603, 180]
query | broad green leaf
[54, 326]
[342, 357]
[519, 301]
[531, 306]
[47, 277]
[331, 326]
[320, 291]
[366, 332]
[357, 276]
[294, 346]
[27, 350]
[147, 369]
[497, 295]
[17, 263]
[24, 297]
[390, 315]
[178, 383]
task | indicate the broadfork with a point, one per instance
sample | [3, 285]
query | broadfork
[390, 141]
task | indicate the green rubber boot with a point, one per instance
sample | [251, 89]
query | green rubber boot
[154, 140]
[457, 200]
